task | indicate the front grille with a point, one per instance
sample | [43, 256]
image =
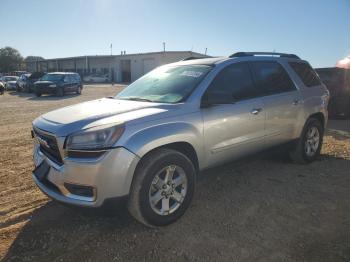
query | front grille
[48, 145]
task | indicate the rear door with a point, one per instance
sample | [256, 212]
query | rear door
[74, 79]
[282, 101]
[236, 127]
[67, 83]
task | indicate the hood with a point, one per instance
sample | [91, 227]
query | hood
[36, 75]
[103, 111]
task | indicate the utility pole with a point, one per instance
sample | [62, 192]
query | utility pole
[111, 49]
[206, 49]
[163, 46]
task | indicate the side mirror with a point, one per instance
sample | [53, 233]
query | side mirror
[212, 99]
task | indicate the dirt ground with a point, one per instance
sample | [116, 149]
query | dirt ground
[259, 209]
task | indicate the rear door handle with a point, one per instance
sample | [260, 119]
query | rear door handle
[256, 111]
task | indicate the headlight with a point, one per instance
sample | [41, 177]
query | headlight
[95, 138]
[53, 85]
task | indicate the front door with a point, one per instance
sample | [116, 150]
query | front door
[234, 127]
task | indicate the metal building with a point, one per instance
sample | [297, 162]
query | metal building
[117, 68]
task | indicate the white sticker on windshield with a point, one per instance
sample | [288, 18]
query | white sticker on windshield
[191, 73]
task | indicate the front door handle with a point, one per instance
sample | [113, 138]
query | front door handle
[256, 111]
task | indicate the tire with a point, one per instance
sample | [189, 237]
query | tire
[146, 186]
[59, 92]
[79, 90]
[18, 88]
[38, 94]
[306, 151]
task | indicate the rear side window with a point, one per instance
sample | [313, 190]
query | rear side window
[271, 78]
[234, 81]
[306, 73]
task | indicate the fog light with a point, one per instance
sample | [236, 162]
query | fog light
[85, 191]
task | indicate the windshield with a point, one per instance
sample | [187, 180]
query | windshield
[52, 77]
[10, 78]
[167, 84]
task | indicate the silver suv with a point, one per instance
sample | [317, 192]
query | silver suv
[148, 143]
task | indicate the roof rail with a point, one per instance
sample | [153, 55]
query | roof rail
[192, 58]
[243, 54]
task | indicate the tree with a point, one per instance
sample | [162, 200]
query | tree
[33, 58]
[10, 59]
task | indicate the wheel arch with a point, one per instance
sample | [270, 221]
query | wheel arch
[319, 116]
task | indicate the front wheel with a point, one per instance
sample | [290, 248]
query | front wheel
[309, 144]
[163, 187]
[79, 90]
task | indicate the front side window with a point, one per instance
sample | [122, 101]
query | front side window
[233, 83]
[167, 84]
[306, 73]
[271, 78]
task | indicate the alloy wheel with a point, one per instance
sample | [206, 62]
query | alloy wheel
[168, 190]
[312, 141]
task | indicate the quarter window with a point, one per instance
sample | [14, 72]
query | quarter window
[306, 73]
[235, 82]
[271, 78]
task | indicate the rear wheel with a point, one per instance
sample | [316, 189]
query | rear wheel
[38, 94]
[309, 144]
[163, 187]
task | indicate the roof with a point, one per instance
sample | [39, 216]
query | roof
[256, 56]
[118, 56]
[203, 61]
[62, 73]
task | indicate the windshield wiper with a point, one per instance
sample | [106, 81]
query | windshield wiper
[138, 99]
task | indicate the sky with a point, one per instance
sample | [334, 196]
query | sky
[316, 30]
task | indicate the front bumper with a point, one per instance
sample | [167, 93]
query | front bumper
[45, 89]
[109, 176]
[11, 87]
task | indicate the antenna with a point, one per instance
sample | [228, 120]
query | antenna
[206, 49]
[111, 49]
[163, 46]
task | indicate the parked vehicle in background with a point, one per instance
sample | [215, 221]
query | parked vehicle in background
[25, 82]
[58, 83]
[96, 78]
[21, 82]
[337, 81]
[9, 82]
[2, 88]
[17, 73]
[148, 143]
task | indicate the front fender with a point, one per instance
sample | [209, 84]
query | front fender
[143, 141]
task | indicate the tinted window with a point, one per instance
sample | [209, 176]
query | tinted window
[306, 73]
[166, 84]
[52, 77]
[234, 81]
[271, 78]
